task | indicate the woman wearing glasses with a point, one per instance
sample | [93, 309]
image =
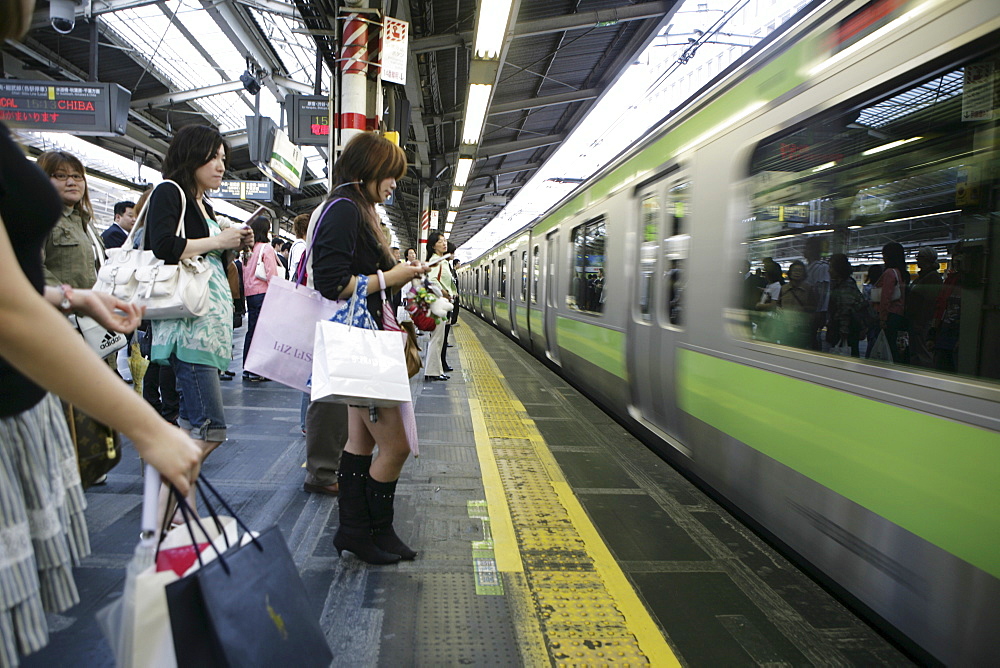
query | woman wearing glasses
[73, 250]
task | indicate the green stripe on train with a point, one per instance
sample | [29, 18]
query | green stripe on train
[934, 477]
[598, 345]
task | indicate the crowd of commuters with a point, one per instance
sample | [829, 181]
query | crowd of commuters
[816, 303]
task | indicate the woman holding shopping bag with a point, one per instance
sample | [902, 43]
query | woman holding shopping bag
[349, 243]
[196, 348]
[41, 503]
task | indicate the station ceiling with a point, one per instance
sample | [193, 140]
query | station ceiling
[560, 56]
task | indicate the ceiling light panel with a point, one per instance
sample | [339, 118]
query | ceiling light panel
[491, 27]
[475, 112]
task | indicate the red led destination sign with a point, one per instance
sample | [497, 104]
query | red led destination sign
[308, 119]
[79, 107]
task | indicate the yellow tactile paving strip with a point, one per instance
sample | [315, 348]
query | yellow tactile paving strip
[583, 611]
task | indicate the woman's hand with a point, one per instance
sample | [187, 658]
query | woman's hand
[234, 237]
[171, 452]
[112, 313]
[402, 273]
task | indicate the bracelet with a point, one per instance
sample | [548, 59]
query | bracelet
[66, 305]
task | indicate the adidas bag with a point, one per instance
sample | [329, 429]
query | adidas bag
[103, 341]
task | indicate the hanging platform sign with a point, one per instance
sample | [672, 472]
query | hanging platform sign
[90, 109]
[308, 119]
[255, 190]
[395, 45]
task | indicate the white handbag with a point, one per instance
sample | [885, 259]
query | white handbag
[360, 367]
[260, 271]
[168, 291]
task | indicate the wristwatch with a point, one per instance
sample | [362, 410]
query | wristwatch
[66, 305]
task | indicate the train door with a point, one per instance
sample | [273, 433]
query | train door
[551, 298]
[512, 294]
[656, 324]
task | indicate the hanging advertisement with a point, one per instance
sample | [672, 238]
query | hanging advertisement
[395, 42]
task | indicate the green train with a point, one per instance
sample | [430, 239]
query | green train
[717, 288]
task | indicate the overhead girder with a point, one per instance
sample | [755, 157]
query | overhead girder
[577, 21]
[508, 147]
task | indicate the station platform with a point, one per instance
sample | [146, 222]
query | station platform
[547, 536]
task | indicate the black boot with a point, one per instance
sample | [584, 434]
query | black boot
[355, 531]
[380, 499]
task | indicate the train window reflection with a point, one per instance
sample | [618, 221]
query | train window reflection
[486, 280]
[524, 276]
[873, 229]
[535, 271]
[587, 280]
[502, 279]
[675, 250]
[649, 237]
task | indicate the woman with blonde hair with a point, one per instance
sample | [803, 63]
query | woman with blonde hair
[41, 503]
[348, 244]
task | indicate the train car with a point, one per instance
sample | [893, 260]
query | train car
[863, 436]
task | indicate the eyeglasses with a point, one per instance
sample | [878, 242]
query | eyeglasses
[63, 176]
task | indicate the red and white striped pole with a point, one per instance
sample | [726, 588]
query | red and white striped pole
[354, 81]
[425, 228]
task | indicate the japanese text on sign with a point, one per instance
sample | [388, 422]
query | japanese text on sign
[395, 40]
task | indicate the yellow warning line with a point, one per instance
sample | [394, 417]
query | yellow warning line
[585, 610]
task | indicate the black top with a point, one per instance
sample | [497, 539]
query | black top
[30, 208]
[345, 246]
[164, 208]
[114, 236]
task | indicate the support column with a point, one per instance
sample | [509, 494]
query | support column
[425, 222]
[354, 81]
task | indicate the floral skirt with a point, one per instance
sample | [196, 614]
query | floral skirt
[43, 532]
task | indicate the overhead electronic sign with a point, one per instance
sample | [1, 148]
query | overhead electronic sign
[92, 109]
[255, 190]
[308, 119]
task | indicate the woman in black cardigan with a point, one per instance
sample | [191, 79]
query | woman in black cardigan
[196, 348]
[348, 243]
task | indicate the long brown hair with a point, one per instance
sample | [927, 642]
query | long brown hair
[367, 159]
[51, 162]
[192, 147]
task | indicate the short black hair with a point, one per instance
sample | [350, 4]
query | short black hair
[120, 207]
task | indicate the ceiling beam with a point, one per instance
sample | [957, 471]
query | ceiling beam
[545, 101]
[506, 148]
[187, 95]
[577, 21]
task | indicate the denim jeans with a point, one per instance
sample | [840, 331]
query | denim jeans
[201, 412]
[254, 302]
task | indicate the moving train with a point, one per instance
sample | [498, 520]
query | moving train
[865, 123]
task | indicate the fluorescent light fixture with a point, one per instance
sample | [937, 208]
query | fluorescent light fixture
[890, 145]
[825, 165]
[878, 34]
[447, 228]
[854, 227]
[462, 172]
[491, 27]
[456, 198]
[819, 232]
[452, 215]
[475, 112]
[926, 215]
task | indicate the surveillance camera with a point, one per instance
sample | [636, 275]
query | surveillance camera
[62, 15]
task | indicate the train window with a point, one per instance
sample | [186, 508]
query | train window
[872, 230]
[587, 280]
[524, 276]
[675, 250]
[502, 279]
[486, 279]
[535, 271]
[649, 243]
[477, 280]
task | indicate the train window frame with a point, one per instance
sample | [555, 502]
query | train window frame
[939, 152]
[486, 279]
[675, 247]
[501, 292]
[536, 270]
[581, 286]
[524, 276]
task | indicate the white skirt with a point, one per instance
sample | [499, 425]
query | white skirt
[43, 532]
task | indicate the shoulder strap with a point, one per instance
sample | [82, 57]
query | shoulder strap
[140, 219]
[304, 260]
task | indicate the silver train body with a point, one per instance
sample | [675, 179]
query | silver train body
[877, 476]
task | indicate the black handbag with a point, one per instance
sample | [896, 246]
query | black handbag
[98, 446]
[248, 607]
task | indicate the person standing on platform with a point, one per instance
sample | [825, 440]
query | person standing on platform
[197, 348]
[42, 522]
[347, 243]
[440, 277]
[254, 286]
[300, 224]
[115, 236]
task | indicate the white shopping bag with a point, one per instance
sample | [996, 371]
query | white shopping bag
[361, 367]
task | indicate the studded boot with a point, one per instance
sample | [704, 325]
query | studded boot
[355, 531]
[380, 501]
